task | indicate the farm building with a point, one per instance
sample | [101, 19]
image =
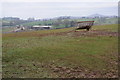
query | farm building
[37, 27]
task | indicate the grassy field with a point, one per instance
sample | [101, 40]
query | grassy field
[7, 29]
[61, 53]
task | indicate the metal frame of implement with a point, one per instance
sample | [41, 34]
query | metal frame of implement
[84, 25]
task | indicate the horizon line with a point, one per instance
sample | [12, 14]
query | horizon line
[56, 16]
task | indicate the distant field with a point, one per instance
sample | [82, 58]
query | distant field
[112, 28]
[61, 53]
[98, 21]
[7, 29]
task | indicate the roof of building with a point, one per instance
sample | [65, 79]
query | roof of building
[84, 21]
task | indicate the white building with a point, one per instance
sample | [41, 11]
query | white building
[37, 27]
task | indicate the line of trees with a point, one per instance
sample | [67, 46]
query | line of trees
[63, 23]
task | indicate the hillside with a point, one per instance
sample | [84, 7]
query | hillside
[61, 53]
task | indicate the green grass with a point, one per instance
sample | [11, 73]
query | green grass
[37, 23]
[7, 29]
[113, 27]
[24, 56]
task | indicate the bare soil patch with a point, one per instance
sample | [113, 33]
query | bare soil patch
[91, 33]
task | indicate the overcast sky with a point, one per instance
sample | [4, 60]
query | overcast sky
[53, 8]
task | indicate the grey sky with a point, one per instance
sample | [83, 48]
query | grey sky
[54, 9]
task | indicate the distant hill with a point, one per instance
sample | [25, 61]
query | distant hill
[96, 15]
[67, 17]
[100, 16]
